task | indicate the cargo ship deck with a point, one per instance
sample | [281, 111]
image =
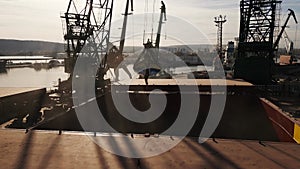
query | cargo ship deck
[40, 149]
[248, 136]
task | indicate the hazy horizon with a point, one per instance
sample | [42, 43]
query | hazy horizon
[40, 20]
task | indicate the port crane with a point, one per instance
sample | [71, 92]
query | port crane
[147, 64]
[89, 23]
[163, 15]
[291, 13]
[115, 55]
[257, 43]
[287, 58]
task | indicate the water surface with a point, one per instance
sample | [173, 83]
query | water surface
[29, 77]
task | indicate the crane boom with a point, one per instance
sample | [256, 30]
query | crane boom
[162, 15]
[291, 13]
[122, 42]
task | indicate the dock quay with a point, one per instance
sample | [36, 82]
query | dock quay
[20, 102]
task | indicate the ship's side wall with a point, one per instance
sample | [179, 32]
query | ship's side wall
[19, 102]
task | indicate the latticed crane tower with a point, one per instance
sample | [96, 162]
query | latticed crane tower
[258, 21]
[88, 20]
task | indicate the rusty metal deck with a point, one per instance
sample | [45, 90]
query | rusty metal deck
[50, 150]
[10, 91]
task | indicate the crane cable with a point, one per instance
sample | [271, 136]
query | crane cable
[75, 6]
[152, 23]
[133, 31]
[147, 19]
[296, 34]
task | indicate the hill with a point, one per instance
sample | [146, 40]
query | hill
[19, 47]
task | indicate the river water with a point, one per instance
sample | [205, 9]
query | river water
[29, 77]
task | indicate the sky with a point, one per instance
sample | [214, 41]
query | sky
[40, 19]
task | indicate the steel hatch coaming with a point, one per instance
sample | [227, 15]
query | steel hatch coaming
[243, 116]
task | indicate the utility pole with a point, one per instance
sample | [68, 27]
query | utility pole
[220, 20]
